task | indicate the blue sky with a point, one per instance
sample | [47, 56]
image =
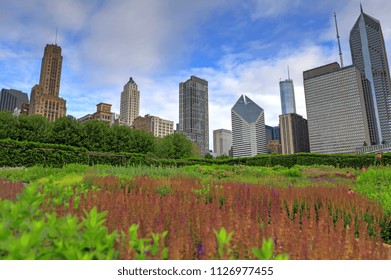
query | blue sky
[239, 46]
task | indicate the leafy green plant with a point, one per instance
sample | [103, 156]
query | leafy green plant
[267, 251]
[223, 247]
[142, 247]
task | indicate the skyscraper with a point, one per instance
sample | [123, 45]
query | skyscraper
[370, 57]
[11, 99]
[45, 100]
[287, 95]
[222, 141]
[294, 134]
[336, 109]
[194, 112]
[130, 102]
[248, 128]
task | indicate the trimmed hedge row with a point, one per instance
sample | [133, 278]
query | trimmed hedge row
[14, 153]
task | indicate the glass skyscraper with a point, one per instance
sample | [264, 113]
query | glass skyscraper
[194, 112]
[370, 57]
[287, 95]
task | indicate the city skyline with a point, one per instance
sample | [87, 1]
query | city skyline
[240, 48]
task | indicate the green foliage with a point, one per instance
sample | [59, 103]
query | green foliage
[14, 153]
[162, 191]
[27, 233]
[143, 247]
[267, 251]
[208, 156]
[375, 183]
[8, 125]
[66, 131]
[94, 136]
[223, 247]
[33, 128]
[174, 146]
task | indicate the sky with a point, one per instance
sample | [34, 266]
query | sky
[238, 46]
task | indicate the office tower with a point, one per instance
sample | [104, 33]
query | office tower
[336, 111]
[45, 100]
[11, 99]
[269, 133]
[194, 112]
[130, 102]
[157, 126]
[222, 141]
[294, 134]
[276, 135]
[370, 57]
[287, 95]
[273, 139]
[248, 128]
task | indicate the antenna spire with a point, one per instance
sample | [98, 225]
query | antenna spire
[362, 11]
[339, 42]
[55, 42]
[289, 76]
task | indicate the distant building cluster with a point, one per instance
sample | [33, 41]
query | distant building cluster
[348, 107]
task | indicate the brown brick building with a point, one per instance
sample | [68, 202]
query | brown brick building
[45, 100]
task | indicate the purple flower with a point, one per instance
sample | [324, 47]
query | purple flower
[200, 249]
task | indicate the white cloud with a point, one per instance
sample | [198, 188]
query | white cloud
[266, 8]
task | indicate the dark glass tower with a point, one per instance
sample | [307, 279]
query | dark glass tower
[370, 57]
[194, 112]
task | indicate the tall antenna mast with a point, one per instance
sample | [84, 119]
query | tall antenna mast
[55, 42]
[289, 76]
[339, 42]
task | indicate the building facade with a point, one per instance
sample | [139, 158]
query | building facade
[336, 111]
[157, 126]
[11, 99]
[103, 113]
[248, 128]
[369, 56]
[287, 95]
[45, 100]
[130, 102]
[222, 142]
[294, 134]
[194, 112]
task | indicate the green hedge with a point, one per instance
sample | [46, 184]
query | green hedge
[14, 153]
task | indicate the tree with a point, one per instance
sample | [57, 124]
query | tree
[66, 131]
[8, 126]
[175, 146]
[208, 156]
[95, 136]
[33, 128]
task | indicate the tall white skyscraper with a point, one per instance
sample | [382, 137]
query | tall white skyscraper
[248, 128]
[369, 56]
[130, 102]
